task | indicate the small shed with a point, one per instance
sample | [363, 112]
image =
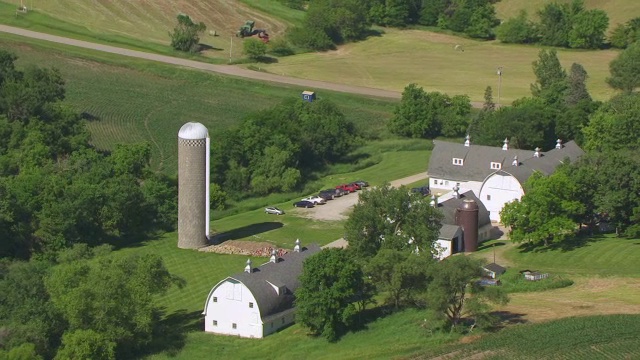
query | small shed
[493, 270]
[308, 96]
[534, 275]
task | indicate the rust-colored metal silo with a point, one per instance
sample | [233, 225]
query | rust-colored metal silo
[467, 219]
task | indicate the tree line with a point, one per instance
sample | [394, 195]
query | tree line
[55, 188]
[561, 24]
[392, 236]
[328, 23]
[558, 108]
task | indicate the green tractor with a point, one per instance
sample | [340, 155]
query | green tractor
[247, 30]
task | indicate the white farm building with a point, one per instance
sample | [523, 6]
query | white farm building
[258, 301]
[495, 175]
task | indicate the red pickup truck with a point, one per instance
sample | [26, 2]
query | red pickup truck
[347, 187]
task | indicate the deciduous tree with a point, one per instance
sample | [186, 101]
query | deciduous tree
[547, 212]
[390, 218]
[588, 28]
[186, 34]
[254, 49]
[332, 282]
[112, 297]
[625, 69]
[86, 344]
[550, 78]
[517, 30]
[399, 274]
[454, 294]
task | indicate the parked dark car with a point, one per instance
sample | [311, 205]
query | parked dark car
[361, 183]
[424, 190]
[303, 203]
[341, 192]
[327, 195]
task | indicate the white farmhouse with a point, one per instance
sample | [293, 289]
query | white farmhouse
[258, 301]
[495, 175]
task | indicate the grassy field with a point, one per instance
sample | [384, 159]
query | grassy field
[601, 256]
[595, 337]
[130, 100]
[619, 11]
[400, 57]
[141, 24]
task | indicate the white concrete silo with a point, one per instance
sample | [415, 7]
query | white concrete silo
[193, 186]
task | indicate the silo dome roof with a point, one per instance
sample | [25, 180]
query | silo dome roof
[193, 130]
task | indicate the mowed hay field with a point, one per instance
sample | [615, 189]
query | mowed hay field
[619, 11]
[400, 57]
[129, 100]
[151, 21]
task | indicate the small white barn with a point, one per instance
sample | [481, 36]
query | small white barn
[258, 301]
[495, 174]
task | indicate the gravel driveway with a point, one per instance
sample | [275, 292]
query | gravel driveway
[339, 208]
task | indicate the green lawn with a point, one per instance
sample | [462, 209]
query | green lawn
[394, 336]
[130, 100]
[601, 256]
[400, 57]
[619, 11]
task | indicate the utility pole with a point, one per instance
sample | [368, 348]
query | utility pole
[230, 49]
[499, 83]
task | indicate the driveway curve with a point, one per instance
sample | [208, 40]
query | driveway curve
[230, 70]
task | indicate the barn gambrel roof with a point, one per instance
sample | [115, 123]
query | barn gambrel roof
[478, 158]
[261, 281]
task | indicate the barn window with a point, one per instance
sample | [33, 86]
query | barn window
[251, 305]
[215, 322]
[496, 165]
[215, 299]
[458, 161]
[435, 181]
[234, 326]
[489, 197]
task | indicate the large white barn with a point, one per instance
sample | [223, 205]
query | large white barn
[258, 301]
[495, 175]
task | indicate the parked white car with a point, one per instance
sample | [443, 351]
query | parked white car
[317, 200]
[273, 210]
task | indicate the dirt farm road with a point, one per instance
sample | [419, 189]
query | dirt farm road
[230, 70]
[221, 69]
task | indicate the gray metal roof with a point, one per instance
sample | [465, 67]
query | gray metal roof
[478, 159]
[285, 272]
[447, 232]
[493, 267]
[449, 206]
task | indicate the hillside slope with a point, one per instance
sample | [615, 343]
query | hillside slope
[152, 20]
